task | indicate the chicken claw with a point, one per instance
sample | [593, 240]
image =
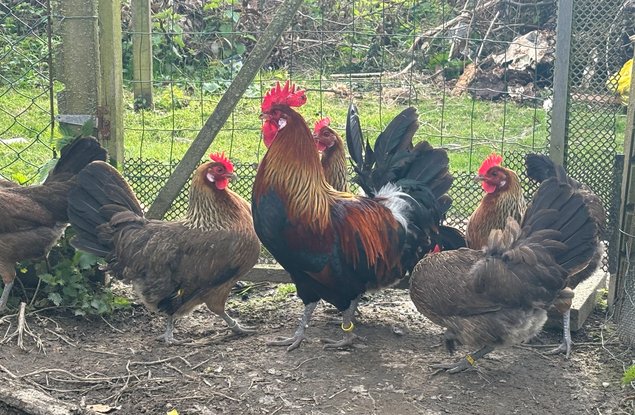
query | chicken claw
[293, 342]
[468, 362]
[567, 343]
[346, 341]
[298, 337]
[236, 327]
[168, 336]
[347, 326]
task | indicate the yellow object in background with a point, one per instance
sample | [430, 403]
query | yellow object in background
[620, 82]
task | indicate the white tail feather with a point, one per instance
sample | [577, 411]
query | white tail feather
[396, 201]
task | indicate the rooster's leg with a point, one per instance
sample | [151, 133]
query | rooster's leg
[466, 363]
[5, 295]
[565, 346]
[347, 326]
[168, 336]
[235, 326]
[298, 336]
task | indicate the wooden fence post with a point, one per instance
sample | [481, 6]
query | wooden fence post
[110, 111]
[626, 224]
[77, 61]
[557, 142]
[142, 53]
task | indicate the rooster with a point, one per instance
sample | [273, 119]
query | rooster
[33, 218]
[503, 198]
[541, 168]
[173, 266]
[336, 245]
[500, 295]
[333, 159]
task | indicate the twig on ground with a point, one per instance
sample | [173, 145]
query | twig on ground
[208, 383]
[336, 393]
[111, 326]
[21, 325]
[61, 337]
[305, 361]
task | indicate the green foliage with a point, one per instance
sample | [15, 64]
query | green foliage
[173, 97]
[23, 44]
[629, 375]
[283, 291]
[601, 299]
[74, 280]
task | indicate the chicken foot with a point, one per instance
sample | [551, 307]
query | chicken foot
[168, 336]
[298, 337]
[5, 295]
[235, 326]
[466, 363]
[565, 346]
[347, 326]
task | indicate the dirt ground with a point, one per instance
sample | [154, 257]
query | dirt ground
[117, 363]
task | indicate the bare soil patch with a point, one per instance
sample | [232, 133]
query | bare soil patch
[118, 363]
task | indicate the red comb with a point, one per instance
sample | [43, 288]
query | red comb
[491, 161]
[287, 95]
[220, 158]
[324, 122]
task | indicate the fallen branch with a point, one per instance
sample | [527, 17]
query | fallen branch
[21, 396]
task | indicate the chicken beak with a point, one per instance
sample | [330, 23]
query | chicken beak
[478, 178]
[231, 177]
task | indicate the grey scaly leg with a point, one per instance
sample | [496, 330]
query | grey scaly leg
[235, 326]
[347, 326]
[5, 295]
[298, 337]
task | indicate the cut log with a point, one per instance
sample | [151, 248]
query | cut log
[17, 397]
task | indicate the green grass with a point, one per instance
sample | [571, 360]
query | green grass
[469, 129]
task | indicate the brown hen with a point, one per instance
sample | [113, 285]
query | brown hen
[333, 159]
[33, 218]
[503, 198]
[173, 266]
[500, 295]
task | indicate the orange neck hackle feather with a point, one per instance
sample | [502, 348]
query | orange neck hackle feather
[287, 95]
[291, 167]
[491, 161]
[220, 158]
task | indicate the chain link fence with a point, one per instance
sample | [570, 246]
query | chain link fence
[26, 89]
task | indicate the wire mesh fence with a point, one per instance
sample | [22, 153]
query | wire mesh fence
[26, 88]
[480, 73]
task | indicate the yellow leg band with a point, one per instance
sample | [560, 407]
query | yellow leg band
[470, 359]
[349, 328]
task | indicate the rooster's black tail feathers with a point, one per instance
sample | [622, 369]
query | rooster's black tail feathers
[100, 195]
[75, 156]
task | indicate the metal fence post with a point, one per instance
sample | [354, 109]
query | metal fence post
[557, 143]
